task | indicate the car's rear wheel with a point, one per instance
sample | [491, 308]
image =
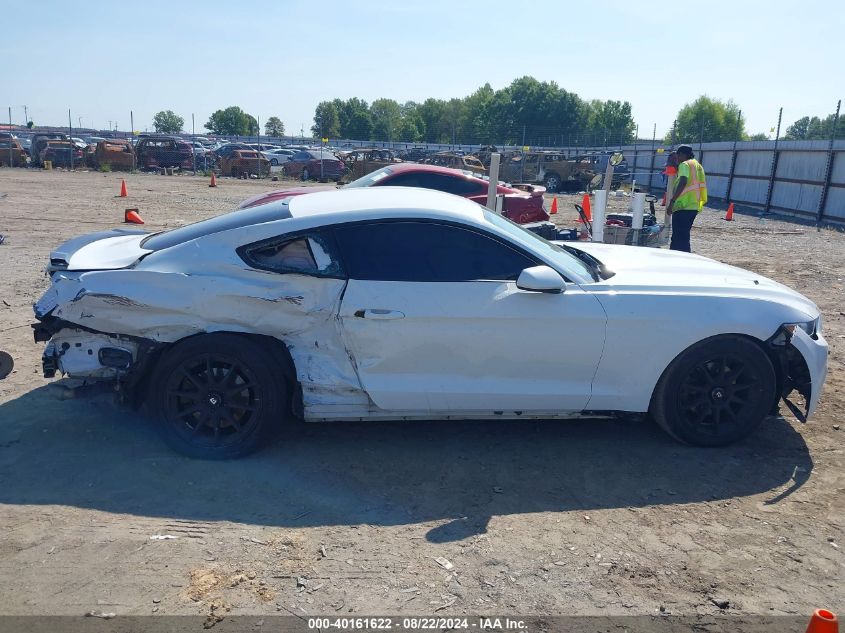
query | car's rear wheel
[716, 392]
[219, 396]
[274, 161]
[552, 183]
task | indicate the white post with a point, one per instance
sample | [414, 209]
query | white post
[599, 206]
[494, 181]
[638, 211]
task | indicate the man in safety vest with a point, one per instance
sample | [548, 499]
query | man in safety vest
[688, 198]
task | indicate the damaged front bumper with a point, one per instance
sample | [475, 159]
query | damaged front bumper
[803, 367]
[84, 354]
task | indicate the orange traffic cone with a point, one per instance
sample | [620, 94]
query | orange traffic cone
[130, 216]
[554, 206]
[213, 182]
[823, 621]
[730, 214]
[585, 203]
[123, 193]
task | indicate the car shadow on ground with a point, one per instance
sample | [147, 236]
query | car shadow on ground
[91, 453]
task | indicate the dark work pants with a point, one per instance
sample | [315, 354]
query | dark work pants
[681, 226]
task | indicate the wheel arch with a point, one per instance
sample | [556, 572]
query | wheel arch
[765, 346]
[138, 388]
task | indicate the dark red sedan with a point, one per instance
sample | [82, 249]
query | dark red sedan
[314, 164]
[523, 206]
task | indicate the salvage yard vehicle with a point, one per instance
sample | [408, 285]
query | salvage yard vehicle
[361, 162]
[278, 156]
[153, 152]
[117, 153]
[404, 304]
[552, 169]
[456, 161]
[19, 157]
[62, 154]
[243, 162]
[39, 143]
[522, 206]
[314, 163]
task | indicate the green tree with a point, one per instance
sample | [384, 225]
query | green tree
[386, 115]
[431, 112]
[411, 124]
[30, 124]
[326, 120]
[232, 122]
[707, 120]
[274, 127]
[760, 136]
[168, 122]
[355, 120]
[611, 122]
[813, 128]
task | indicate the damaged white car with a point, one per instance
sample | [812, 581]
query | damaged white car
[402, 304]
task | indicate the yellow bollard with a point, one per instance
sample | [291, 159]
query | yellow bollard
[48, 164]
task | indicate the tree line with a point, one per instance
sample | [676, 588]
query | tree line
[527, 112]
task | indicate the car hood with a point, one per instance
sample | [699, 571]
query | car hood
[106, 250]
[270, 196]
[640, 269]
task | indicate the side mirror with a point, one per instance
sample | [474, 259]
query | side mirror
[541, 279]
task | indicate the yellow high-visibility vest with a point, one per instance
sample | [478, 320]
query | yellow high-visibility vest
[694, 195]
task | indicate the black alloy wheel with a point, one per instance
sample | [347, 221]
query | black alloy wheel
[716, 392]
[220, 396]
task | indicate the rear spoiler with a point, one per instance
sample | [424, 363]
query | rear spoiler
[527, 187]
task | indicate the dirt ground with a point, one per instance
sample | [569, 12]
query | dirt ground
[587, 517]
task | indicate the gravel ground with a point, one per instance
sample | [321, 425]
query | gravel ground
[588, 517]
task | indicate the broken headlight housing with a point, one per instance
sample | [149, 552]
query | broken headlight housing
[811, 328]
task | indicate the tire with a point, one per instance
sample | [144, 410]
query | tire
[306, 175]
[715, 393]
[219, 396]
[553, 183]
[274, 162]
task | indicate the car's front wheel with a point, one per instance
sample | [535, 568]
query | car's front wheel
[219, 396]
[274, 161]
[716, 392]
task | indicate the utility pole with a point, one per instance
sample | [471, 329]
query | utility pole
[25, 116]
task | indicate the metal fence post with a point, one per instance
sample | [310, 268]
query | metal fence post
[70, 134]
[775, 156]
[132, 135]
[733, 159]
[11, 162]
[651, 164]
[829, 167]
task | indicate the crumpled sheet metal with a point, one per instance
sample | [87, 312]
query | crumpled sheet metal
[168, 306]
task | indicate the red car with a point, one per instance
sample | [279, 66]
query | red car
[316, 164]
[523, 206]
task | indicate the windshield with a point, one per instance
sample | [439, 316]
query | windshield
[576, 268]
[370, 179]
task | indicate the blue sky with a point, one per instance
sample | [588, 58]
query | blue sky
[103, 59]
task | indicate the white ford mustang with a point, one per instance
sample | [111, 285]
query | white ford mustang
[411, 304]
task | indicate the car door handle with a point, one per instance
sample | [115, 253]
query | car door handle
[379, 314]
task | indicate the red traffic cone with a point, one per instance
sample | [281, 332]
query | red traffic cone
[585, 203]
[554, 206]
[130, 216]
[213, 182]
[823, 621]
[123, 193]
[730, 214]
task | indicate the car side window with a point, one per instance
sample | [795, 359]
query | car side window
[426, 252]
[312, 254]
